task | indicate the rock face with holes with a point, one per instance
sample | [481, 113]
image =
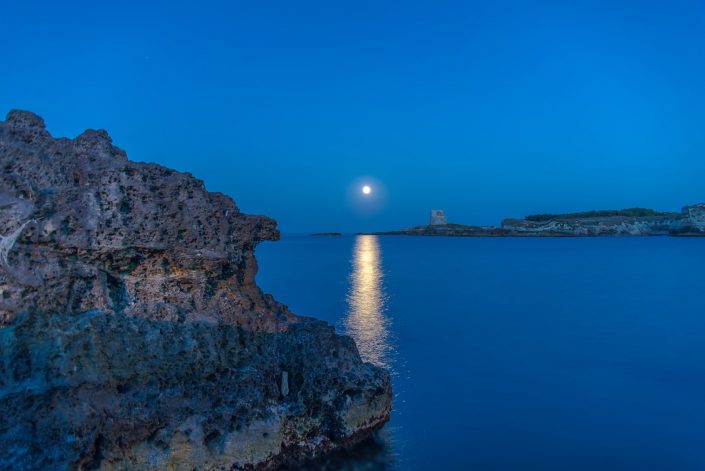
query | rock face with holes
[132, 333]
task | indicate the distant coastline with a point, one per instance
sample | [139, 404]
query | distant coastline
[327, 234]
[624, 222]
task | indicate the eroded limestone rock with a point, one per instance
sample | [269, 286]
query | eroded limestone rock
[132, 333]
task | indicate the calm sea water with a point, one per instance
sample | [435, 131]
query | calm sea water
[513, 353]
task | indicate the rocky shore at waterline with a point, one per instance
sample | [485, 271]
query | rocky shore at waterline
[132, 333]
[627, 222]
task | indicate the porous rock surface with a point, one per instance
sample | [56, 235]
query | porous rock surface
[132, 333]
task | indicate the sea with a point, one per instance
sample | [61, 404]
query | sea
[515, 353]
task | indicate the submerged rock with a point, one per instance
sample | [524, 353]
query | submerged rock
[132, 333]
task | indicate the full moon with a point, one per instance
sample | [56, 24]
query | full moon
[366, 189]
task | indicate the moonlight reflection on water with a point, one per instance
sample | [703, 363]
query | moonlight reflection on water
[366, 321]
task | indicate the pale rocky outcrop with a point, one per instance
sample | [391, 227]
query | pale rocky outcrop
[599, 226]
[690, 221]
[132, 333]
[693, 220]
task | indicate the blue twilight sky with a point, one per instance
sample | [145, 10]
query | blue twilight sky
[485, 109]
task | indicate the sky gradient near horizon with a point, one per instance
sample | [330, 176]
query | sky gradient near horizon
[484, 109]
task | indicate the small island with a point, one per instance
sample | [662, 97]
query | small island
[327, 234]
[690, 221]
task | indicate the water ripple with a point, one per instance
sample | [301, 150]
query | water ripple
[366, 321]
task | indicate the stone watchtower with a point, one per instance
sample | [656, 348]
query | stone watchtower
[438, 218]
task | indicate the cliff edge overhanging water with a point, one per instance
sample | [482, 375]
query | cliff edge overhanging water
[132, 333]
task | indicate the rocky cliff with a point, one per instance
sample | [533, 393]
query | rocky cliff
[132, 333]
[692, 221]
[596, 226]
[689, 222]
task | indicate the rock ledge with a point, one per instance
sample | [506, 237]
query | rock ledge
[132, 333]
